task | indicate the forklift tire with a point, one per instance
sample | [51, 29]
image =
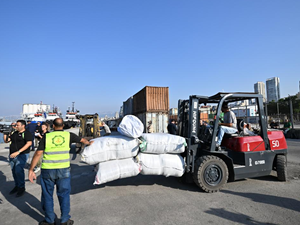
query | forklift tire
[281, 167]
[211, 173]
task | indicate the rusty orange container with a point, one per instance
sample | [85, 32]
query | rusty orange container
[151, 99]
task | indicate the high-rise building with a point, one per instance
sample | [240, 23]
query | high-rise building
[260, 88]
[273, 90]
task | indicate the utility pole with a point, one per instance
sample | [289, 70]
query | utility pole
[291, 111]
[278, 112]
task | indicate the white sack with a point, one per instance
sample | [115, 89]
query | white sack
[116, 169]
[131, 126]
[161, 143]
[163, 164]
[110, 148]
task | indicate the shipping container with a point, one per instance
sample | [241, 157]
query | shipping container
[173, 111]
[154, 122]
[151, 99]
[128, 106]
[204, 116]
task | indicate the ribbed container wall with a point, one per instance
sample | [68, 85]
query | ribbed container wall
[154, 122]
[151, 99]
[204, 116]
[128, 106]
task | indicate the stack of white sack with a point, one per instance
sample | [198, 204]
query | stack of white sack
[161, 143]
[162, 164]
[159, 154]
[131, 126]
[116, 169]
[110, 148]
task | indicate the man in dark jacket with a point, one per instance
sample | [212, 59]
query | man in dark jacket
[31, 127]
[172, 129]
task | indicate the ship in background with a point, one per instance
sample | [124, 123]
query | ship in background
[40, 113]
[55, 113]
[72, 117]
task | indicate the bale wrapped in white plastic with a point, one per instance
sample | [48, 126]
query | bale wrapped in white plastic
[110, 148]
[131, 126]
[161, 143]
[163, 164]
[116, 169]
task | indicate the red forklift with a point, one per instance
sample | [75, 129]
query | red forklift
[240, 156]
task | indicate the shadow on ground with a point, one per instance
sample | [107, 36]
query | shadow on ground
[4, 159]
[287, 203]
[235, 217]
[27, 204]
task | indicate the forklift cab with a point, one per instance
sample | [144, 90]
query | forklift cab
[240, 156]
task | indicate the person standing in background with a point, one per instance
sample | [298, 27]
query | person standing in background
[44, 130]
[172, 127]
[19, 150]
[31, 128]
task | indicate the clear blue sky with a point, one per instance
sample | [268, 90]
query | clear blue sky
[98, 53]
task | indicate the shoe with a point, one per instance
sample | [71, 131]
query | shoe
[36, 169]
[218, 147]
[45, 223]
[69, 222]
[14, 190]
[20, 192]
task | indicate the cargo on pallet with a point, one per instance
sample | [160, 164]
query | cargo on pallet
[128, 106]
[154, 122]
[151, 99]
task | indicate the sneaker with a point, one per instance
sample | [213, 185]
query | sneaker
[45, 223]
[20, 192]
[14, 190]
[36, 169]
[69, 222]
[218, 147]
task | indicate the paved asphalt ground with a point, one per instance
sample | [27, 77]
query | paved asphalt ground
[159, 200]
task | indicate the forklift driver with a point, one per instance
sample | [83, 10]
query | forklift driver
[228, 126]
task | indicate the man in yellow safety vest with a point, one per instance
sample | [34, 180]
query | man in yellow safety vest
[55, 147]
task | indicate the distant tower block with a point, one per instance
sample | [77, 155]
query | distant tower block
[259, 88]
[273, 90]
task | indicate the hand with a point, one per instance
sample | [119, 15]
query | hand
[91, 142]
[31, 176]
[14, 155]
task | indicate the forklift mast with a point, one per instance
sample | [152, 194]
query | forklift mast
[89, 130]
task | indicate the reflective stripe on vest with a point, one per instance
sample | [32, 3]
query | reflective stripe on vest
[56, 153]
